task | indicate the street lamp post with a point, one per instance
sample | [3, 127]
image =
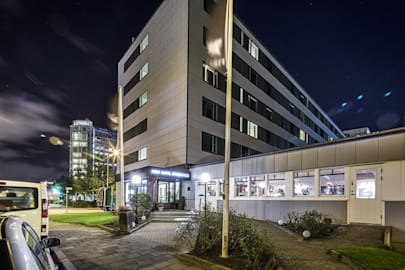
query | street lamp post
[205, 179]
[136, 179]
[67, 189]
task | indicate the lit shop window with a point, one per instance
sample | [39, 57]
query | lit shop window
[241, 187]
[276, 185]
[304, 183]
[212, 188]
[332, 181]
[144, 43]
[365, 184]
[252, 129]
[253, 50]
[142, 154]
[257, 186]
[144, 71]
[143, 99]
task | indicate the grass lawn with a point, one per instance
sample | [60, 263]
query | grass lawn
[87, 219]
[375, 258]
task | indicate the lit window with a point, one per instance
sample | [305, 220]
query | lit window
[332, 181]
[144, 71]
[79, 144]
[241, 124]
[252, 129]
[253, 50]
[241, 187]
[143, 99]
[304, 183]
[241, 95]
[142, 154]
[303, 136]
[276, 185]
[257, 186]
[365, 184]
[144, 43]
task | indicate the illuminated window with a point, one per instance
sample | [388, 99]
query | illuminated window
[252, 129]
[257, 186]
[79, 144]
[253, 50]
[276, 185]
[303, 136]
[304, 183]
[142, 153]
[332, 181]
[241, 187]
[144, 43]
[144, 71]
[365, 184]
[143, 99]
[77, 155]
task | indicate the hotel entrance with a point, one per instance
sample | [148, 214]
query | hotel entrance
[168, 191]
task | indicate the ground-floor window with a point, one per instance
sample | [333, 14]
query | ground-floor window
[276, 185]
[257, 186]
[304, 183]
[332, 181]
[241, 186]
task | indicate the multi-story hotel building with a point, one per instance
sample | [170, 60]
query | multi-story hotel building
[174, 101]
[90, 149]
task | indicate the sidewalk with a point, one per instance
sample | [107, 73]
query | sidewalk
[151, 248]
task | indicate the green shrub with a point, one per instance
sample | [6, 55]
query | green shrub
[313, 221]
[143, 203]
[244, 240]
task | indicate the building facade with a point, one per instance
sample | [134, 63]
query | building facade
[354, 180]
[90, 149]
[174, 100]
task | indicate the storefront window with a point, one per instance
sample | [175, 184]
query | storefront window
[365, 184]
[304, 183]
[212, 188]
[257, 186]
[332, 182]
[276, 185]
[241, 186]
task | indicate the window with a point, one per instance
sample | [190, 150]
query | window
[18, 198]
[143, 99]
[276, 185]
[79, 144]
[132, 58]
[365, 184]
[209, 75]
[252, 129]
[303, 135]
[144, 43]
[142, 154]
[257, 186]
[304, 183]
[144, 71]
[79, 136]
[241, 187]
[253, 50]
[131, 84]
[332, 181]
[35, 245]
[211, 188]
[136, 130]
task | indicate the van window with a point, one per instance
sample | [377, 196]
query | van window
[18, 198]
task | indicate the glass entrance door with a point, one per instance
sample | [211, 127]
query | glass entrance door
[163, 192]
[169, 192]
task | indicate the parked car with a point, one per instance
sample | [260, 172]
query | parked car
[22, 249]
[28, 200]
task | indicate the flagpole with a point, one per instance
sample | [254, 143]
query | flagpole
[228, 113]
[121, 143]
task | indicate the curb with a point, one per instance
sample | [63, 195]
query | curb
[203, 264]
[345, 260]
[62, 260]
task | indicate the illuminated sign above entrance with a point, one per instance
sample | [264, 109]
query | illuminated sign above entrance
[169, 173]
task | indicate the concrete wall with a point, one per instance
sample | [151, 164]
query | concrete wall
[166, 82]
[274, 210]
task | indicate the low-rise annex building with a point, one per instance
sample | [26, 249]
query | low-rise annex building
[353, 180]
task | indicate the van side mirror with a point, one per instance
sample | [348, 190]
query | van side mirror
[51, 242]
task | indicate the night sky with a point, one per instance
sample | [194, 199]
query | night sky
[58, 62]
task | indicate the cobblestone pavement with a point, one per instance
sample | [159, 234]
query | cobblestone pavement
[152, 247]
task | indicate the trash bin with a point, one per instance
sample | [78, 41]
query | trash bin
[126, 217]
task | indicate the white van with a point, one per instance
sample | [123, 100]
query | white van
[28, 200]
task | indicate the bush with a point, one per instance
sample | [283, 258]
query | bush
[143, 203]
[244, 240]
[317, 223]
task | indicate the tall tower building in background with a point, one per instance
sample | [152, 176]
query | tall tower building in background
[90, 148]
[174, 100]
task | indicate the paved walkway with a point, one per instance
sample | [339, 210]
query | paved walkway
[150, 248]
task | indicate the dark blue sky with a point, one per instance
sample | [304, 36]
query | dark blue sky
[58, 62]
